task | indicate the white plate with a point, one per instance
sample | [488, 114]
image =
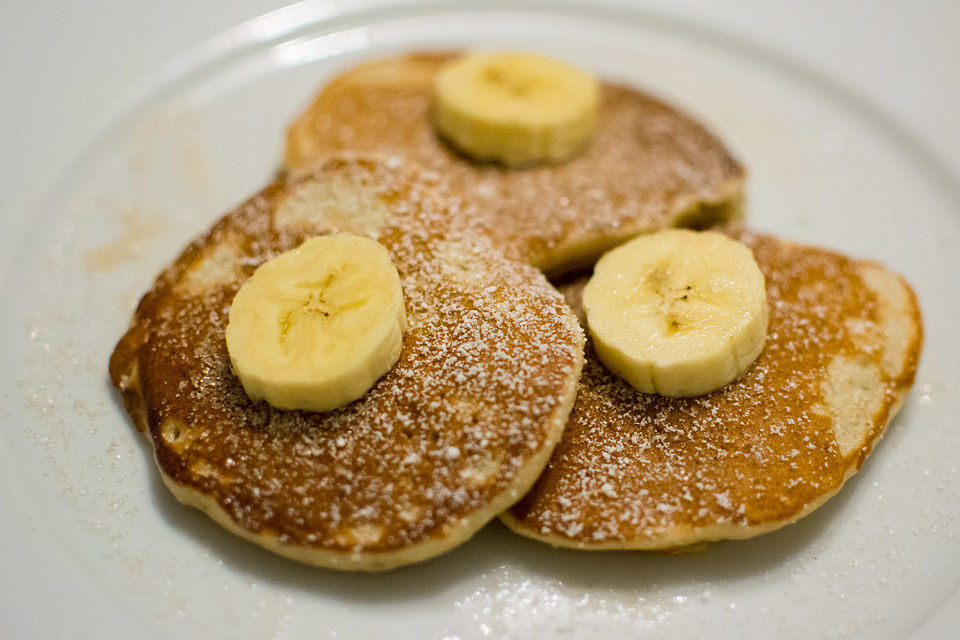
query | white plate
[92, 531]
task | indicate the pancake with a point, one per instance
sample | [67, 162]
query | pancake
[647, 165]
[637, 471]
[453, 434]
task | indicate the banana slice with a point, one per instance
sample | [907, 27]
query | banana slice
[515, 108]
[677, 312]
[315, 328]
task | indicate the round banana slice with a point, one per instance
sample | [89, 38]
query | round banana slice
[677, 312]
[315, 328]
[515, 108]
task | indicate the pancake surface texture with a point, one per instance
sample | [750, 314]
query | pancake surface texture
[646, 167]
[453, 434]
[637, 471]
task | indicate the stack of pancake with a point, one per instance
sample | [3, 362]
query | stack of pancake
[498, 405]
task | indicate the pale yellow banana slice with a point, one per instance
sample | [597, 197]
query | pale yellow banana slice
[315, 328]
[677, 312]
[515, 108]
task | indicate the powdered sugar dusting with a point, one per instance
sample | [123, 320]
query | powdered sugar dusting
[646, 167]
[643, 468]
[487, 364]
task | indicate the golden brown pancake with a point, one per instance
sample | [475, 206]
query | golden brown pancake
[637, 471]
[646, 167]
[457, 431]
